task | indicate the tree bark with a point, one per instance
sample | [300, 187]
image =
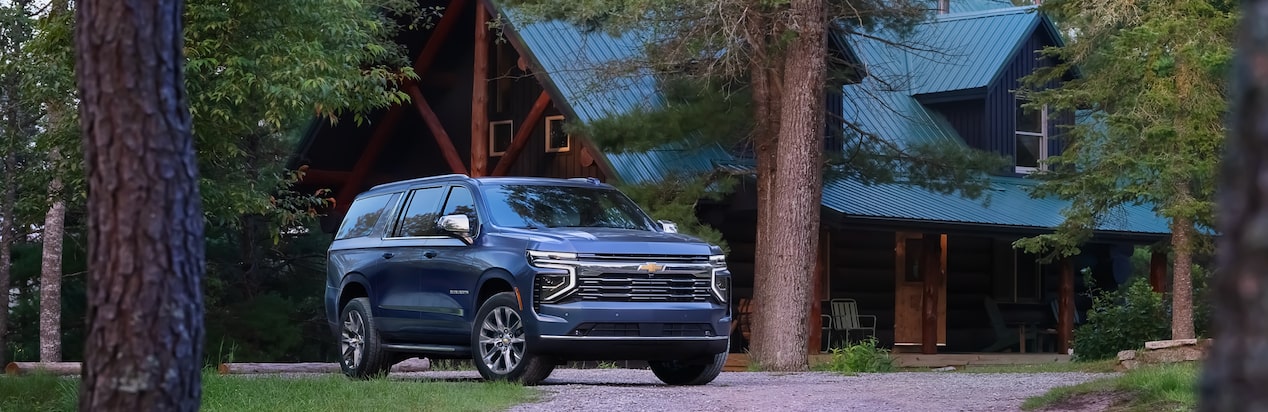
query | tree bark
[1236, 370]
[1182, 279]
[6, 224]
[51, 266]
[145, 239]
[793, 240]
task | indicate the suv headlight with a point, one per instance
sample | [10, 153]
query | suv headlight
[554, 286]
[720, 281]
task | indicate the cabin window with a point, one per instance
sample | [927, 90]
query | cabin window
[500, 134]
[556, 139]
[1032, 139]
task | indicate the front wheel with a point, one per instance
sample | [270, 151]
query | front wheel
[501, 349]
[689, 373]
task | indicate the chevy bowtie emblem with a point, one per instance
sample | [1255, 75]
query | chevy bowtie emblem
[651, 267]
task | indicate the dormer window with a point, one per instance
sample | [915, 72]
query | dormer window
[1032, 139]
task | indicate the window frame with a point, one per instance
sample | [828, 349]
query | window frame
[1043, 135]
[550, 120]
[510, 139]
[406, 199]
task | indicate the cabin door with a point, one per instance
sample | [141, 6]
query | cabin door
[908, 290]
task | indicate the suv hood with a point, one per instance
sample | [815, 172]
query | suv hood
[614, 241]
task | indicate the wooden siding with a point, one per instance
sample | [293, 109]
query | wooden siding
[1000, 105]
[967, 118]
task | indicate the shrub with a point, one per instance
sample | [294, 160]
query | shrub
[1122, 320]
[864, 356]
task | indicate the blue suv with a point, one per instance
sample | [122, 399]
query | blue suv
[522, 274]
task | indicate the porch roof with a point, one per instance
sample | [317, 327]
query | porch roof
[1007, 204]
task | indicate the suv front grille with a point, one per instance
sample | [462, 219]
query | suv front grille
[642, 287]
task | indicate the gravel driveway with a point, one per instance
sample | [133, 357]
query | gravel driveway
[639, 390]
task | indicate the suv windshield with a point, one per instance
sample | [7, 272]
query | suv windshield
[538, 206]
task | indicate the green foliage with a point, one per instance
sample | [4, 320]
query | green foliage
[675, 199]
[38, 392]
[1148, 389]
[1148, 80]
[710, 113]
[1122, 320]
[24, 335]
[866, 356]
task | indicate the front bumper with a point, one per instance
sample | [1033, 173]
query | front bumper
[632, 330]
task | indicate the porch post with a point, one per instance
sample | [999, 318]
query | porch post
[819, 292]
[480, 96]
[931, 266]
[1158, 271]
[1065, 306]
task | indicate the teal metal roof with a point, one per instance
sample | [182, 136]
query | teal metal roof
[968, 6]
[1008, 203]
[894, 116]
[584, 68]
[958, 51]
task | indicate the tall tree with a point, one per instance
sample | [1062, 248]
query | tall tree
[54, 221]
[1234, 375]
[774, 53]
[15, 31]
[145, 315]
[1151, 80]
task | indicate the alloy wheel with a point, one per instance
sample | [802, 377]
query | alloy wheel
[352, 343]
[501, 340]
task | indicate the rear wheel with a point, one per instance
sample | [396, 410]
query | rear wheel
[689, 373]
[361, 354]
[501, 350]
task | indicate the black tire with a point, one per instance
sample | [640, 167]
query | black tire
[499, 346]
[689, 373]
[361, 353]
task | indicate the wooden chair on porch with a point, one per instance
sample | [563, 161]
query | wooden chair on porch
[1005, 336]
[844, 318]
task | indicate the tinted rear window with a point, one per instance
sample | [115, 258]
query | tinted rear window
[363, 217]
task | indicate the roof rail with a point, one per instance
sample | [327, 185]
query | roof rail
[591, 180]
[419, 179]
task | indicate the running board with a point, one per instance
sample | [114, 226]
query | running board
[434, 349]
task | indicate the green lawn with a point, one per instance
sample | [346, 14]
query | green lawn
[1148, 389]
[259, 393]
[1104, 366]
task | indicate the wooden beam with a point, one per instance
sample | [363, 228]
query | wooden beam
[352, 186]
[1065, 306]
[522, 135]
[438, 35]
[437, 130]
[480, 96]
[324, 178]
[1158, 271]
[931, 266]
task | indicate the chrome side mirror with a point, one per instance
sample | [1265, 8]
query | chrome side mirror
[456, 225]
[668, 227]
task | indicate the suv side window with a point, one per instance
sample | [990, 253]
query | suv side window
[461, 202]
[421, 213]
[363, 217]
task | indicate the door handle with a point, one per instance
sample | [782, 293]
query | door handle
[429, 254]
[388, 255]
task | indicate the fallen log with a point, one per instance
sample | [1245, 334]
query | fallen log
[52, 368]
[243, 368]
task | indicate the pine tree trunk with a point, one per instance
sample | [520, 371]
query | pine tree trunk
[1182, 278]
[1234, 375]
[6, 226]
[51, 267]
[145, 240]
[766, 103]
[794, 235]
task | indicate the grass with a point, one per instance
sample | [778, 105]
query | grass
[268, 393]
[1148, 389]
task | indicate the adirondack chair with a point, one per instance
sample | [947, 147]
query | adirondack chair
[844, 318]
[1005, 337]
